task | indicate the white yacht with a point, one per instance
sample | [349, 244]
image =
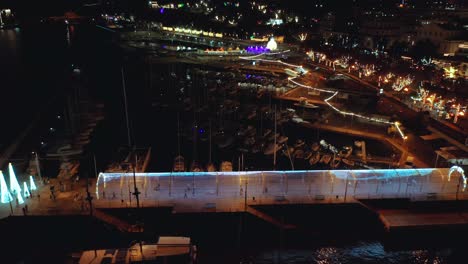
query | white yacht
[167, 250]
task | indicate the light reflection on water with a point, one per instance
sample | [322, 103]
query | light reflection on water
[361, 252]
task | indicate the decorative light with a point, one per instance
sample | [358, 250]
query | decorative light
[5, 194]
[271, 45]
[14, 185]
[302, 36]
[32, 185]
[462, 174]
[334, 93]
[26, 192]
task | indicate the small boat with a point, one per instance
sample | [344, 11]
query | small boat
[282, 139]
[307, 155]
[211, 167]
[348, 162]
[226, 166]
[315, 158]
[166, 250]
[267, 133]
[326, 158]
[345, 152]
[288, 151]
[315, 146]
[270, 149]
[195, 167]
[252, 115]
[299, 143]
[179, 164]
[298, 154]
[335, 162]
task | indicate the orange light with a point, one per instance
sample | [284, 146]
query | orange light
[406, 89]
[461, 113]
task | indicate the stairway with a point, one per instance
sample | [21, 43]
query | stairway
[118, 223]
[269, 218]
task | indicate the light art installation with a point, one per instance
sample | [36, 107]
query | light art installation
[5, 193]
[334, 93]
[402, 82]
[32, 185]
[271, 45]
[462, 174]
[302, 36]
[14, 185]
[26, 192]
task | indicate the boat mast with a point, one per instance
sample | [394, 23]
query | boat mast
[178, 135]
[209, 157]
[274, 144]
[126, 107]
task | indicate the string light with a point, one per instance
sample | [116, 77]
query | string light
[334, 93]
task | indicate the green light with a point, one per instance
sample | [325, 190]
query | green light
[180, 5]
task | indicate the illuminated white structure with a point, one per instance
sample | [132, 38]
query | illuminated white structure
[5, 194]
[26, 192]
[461, 172]
[32, 185]
[14, 185]
[272, 44]
[167, 188]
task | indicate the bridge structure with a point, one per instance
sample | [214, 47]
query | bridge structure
[247, 191]
[235, 191]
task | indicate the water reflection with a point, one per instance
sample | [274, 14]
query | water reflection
[360, 252]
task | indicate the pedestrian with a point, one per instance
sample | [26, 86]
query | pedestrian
[185, 194]
[26, 208]
[113, 195]
[253, 198]
[104, 194]
[122, 202]
[24, 211]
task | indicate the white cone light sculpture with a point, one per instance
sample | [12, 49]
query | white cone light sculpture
[14, 185]
[26, 192]
[4, 192]
[32, 185]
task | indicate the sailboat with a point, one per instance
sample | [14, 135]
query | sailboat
[179, 161]
[210, 167]
[315, 158]
[226, 166]
[179, 164]
[195, 167]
